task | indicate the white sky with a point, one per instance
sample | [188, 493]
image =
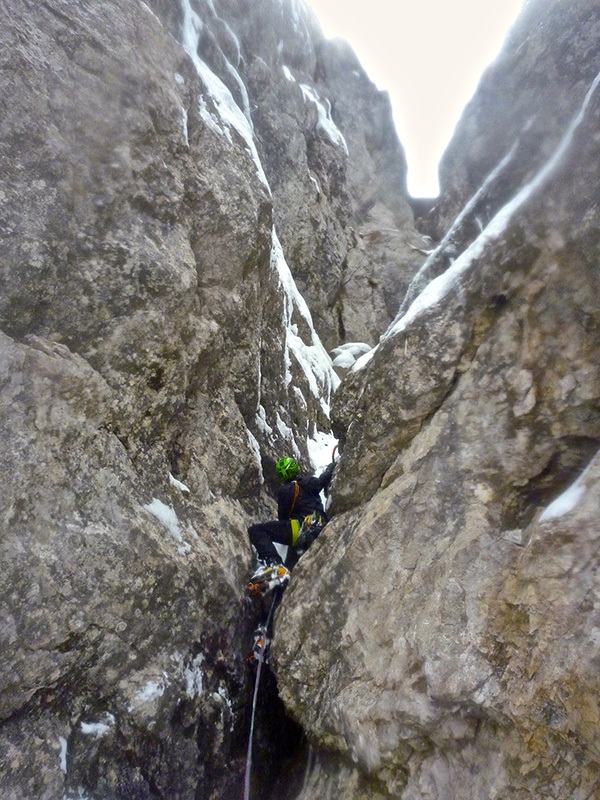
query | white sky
[429, 55]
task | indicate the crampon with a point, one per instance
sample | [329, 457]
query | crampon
[268, 579]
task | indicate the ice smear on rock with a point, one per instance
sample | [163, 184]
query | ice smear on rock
[325, 123]
[312, 356]
[227, 114]
[167, 516]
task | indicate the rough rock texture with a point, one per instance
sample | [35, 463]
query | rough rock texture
[332, 157]
[155, 358]
[166, 167]
[513, 124]
[385, 250]
[111, 655]
[446, 645]
[163, 166]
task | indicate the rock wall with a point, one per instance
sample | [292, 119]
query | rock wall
[155, 358]
[328, 146]
[513, 123]
[445, 645]
[179, 179]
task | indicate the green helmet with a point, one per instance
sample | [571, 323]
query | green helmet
[287, 468]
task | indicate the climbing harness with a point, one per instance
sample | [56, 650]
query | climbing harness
[260, 660]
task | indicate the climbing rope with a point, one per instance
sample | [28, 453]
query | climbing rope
[260, 660]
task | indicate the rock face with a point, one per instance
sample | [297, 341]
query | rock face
[512, 125]
[178, 180]
[164, 164]
[332, 157]
[446, 643]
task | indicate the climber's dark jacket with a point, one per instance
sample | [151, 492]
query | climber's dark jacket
[308, 499]
[286, 529]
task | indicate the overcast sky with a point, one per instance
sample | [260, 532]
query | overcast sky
[429, 55]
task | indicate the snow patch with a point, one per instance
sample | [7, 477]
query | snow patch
[312, 358]
[564, 504]
[98, 729]
[356, 348]
[284, 430]
[178, 484]
[63, 754]
[346, 355]
[567, 501]
[362, 362]
[212, 120]
[316, 184]
[261, 421]
[344, 360]
[223, 695]
[288, 74]
[150, 692]
[320, 450]
[243, 92]
[194, 677]
[300, 397]
[255, 448]
[184, 125]
[167, 516]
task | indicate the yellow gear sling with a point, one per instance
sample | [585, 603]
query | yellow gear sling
[294, 522]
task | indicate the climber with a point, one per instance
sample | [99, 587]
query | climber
[301, 517]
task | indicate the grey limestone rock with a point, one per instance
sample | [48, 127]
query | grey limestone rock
[445, 643]
[332, 157]
[178, 180]
[156, 357]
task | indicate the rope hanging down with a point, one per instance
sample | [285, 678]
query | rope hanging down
[260, 660]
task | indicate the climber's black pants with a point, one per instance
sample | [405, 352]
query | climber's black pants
[264, 534]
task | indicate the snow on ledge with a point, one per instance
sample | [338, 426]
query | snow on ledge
[567, 501]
